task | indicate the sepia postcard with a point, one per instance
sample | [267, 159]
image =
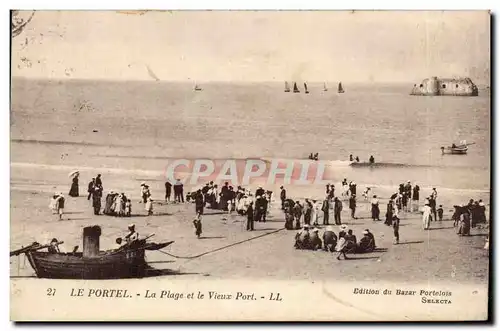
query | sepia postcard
[170, 165]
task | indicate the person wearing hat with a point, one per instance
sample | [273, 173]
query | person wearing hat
[314, 240]
[302, 238]
[329, 239]
[282, 197]
[73, 191]
[250, 216]
[341, 246]
[54, 246]
[98, 180]
[307, 210]
[426, 216]
[259, 192]
[90, 188]
[132, 236]
[415, 197]
[343, 229]
[337, 209]
[289, 215]
[197, 225]
[145, 192]
[408, 193]
[59, 204]
[96, 200]
[297, 214]
[325, 208]
[352, 241]
[199, 201]
[464, 223]
[352, 206]
[367, 242]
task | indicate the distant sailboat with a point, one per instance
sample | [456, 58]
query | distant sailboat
[197, 87]
[305, 88]
[324, 87]
[287, 88]
[295, 88]
[341, 89]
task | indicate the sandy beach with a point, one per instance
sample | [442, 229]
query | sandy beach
[435, 255]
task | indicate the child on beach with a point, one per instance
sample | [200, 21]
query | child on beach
[440, 212]
[128, 208]
[60, 205]
[197, 225]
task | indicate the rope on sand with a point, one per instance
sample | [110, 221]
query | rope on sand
[221, 248]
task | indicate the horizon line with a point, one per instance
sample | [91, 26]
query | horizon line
[192, 81]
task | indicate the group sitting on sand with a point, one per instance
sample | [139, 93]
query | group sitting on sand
[345, 242]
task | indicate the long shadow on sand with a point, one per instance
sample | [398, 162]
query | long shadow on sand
[155, 214]
[353, 257]
[442, 228]
[265, 229]
[213, 237]
[479, 235]
[152, 272]
[411, 242]
[75, 218]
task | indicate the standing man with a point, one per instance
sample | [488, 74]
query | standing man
[98, 180]
[283, 197]
[352, 206]
[90, 188]
[178, 191]
[337, 209]
[96, 199]
[250, 217]
[199, 202]
[168, 190]
[408, 193]
[415, 197]
[325, 208]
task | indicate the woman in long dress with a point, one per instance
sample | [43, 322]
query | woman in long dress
[73, 192]
[375, 209]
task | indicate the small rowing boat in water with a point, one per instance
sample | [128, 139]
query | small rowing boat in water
[127, 261]
[461, 148]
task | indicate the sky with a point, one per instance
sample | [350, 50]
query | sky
[360, 46]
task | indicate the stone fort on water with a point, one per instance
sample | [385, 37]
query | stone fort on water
[435, 86]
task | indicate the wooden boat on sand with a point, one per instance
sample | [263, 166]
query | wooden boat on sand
[127, 261]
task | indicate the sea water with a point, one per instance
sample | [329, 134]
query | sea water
[144, 125]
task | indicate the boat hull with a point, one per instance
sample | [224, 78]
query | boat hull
[107, 265]
[455, 150]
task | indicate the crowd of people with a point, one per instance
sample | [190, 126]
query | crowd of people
[343, 243]
[299, 215]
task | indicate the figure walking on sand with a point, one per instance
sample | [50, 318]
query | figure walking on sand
[197, 225]
[90, 188]
[59, 205]
[250, 217]
[73, 192]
